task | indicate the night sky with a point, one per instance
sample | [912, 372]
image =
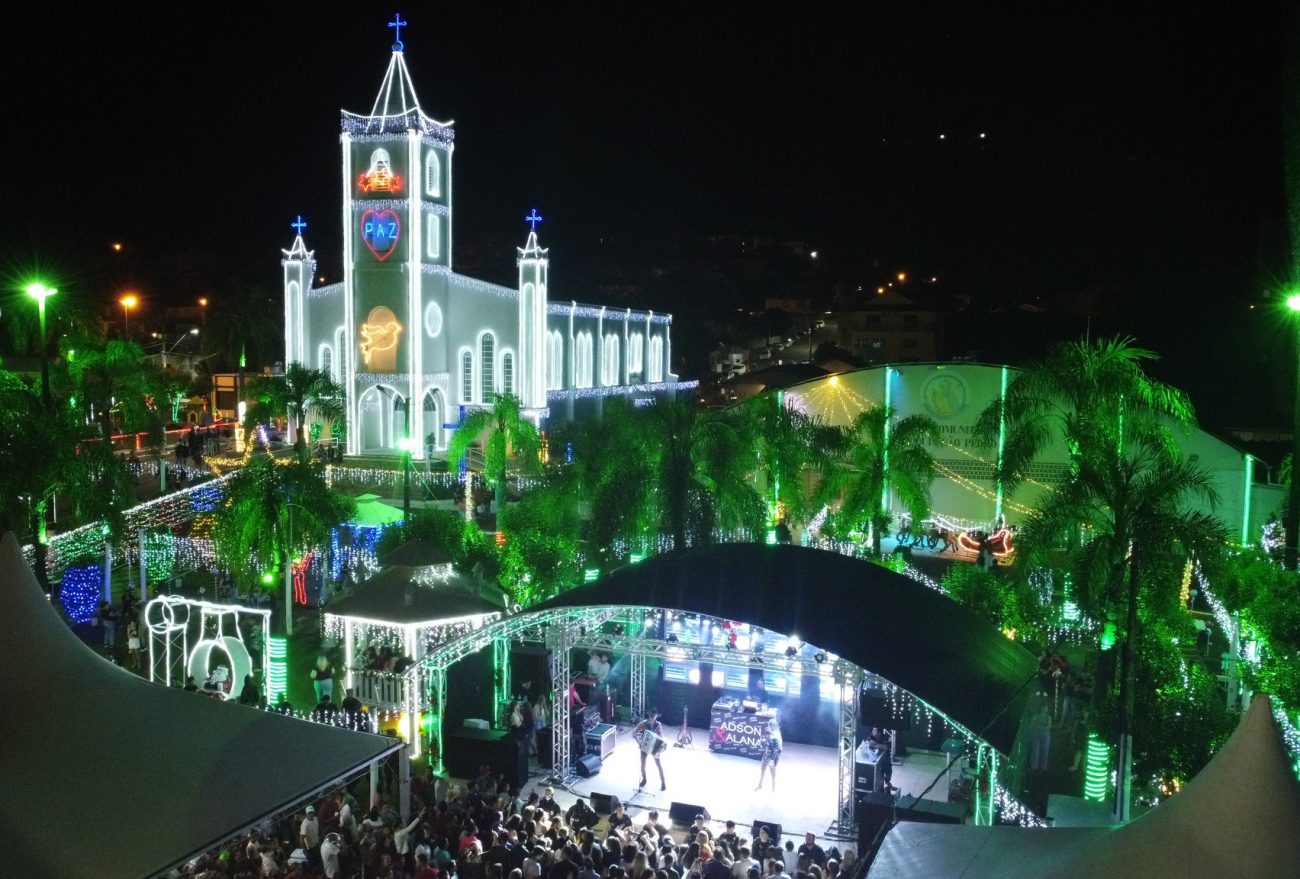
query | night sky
[1130, 162]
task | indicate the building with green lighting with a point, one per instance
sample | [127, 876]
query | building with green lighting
[966, 492]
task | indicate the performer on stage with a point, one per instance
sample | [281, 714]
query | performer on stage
[771, 752]
[649, 734]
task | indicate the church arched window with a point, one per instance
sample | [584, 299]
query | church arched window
[656, 370]
[466, 376]
[327, 360]
[554, 361]
[432, 174]
[434, 244]
[507, 372]
[609, 360]
[582, 360]
[635, 352]
[487, 347]
[341, 340]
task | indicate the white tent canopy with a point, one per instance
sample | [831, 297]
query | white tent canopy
[1239, 817]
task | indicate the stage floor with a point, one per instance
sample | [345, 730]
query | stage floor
[804, 799]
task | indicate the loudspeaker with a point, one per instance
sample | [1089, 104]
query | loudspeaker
[587, 765]
[684, 813]
[773, 830]
[603, 803]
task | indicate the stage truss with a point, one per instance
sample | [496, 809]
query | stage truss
[638, 632]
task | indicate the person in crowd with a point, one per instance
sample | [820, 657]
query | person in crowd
[309, 836]
[331, 848]
[772, 743]
[882, 740]
[580, 815]
[190, 685]
[547, 803]
[741, 866]
[351, 704]
[649, 735]
[133, 643]
[790, 857]
[811, 850]
[249, 694]
[322, 677]
[1040, 741]
[618, 819]
[108, 622]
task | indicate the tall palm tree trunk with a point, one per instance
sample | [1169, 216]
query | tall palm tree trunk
[1127, 688]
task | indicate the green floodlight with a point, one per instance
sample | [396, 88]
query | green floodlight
[39, 292]
[1293, 302]
[268, 578]
[406, 444]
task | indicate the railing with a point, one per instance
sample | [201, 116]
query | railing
[379, 689]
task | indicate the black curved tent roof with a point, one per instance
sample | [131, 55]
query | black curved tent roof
[106, 774]
[884, 622]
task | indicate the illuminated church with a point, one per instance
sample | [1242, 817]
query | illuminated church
[403, 325]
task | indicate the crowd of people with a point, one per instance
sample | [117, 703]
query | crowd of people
[1058, 711]
[487, 830]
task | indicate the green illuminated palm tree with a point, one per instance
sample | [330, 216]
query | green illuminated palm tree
[114, 379]
[790, 446]
[1123, 507]
[272, 514]
[505, 433]
[879, 454]
[300, 391]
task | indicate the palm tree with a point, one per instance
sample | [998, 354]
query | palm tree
[508, 433]
[703, 464]
[880, 454]
[272, 514]
[790, 445]
[114, 378]
[301, 389]
[1126, 489]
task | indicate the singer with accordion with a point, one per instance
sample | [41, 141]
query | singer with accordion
[649, 735]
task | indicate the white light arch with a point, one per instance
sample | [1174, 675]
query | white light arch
[381, 426]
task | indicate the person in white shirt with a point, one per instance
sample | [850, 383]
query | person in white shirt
[740, 867]
[329, 855]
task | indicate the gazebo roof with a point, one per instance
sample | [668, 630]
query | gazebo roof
[80, 733]
[395, 596]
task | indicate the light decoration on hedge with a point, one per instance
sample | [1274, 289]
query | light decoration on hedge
[358, 554]
[81, 591]
[1272, 538]
[612, 390]
[277, 678]
[1096, 774]
[1011, 809]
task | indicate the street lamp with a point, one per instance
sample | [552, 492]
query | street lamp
[166, 350]
[1292, 523]
[40, 293]
[128, 302]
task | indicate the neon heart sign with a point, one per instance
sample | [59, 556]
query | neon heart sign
[380, 230]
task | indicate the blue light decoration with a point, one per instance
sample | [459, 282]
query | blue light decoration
[397, 24]
[568, 453]
[359, 553]
[533, 219]
[380, 230]
[81, 590]
[298, 225]
[206, 498]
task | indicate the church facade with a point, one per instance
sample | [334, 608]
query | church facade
[403, 327]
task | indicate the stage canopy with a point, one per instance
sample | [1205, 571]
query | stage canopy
[105, 774]
[1239, 817]
[886, 623]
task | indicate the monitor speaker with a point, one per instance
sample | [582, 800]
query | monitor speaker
[684, 813]
[603, 803]
[588, 765]
[773, 830]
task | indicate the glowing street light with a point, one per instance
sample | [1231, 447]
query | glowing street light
[1291, 524]
[128, 302]
[203, 302]
[40, 293]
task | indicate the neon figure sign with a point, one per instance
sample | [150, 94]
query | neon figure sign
[380, 177]
[380, 230]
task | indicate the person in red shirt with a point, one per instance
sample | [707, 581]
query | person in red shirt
[425, 870]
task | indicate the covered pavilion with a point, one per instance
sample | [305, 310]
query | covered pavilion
[106, 774]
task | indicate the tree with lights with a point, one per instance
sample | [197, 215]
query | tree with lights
[293, 395]
[879, 454]
[504, 433]
[703, 462]
[273, 514]
[790, 446]
[114, 379]
[1122, 511]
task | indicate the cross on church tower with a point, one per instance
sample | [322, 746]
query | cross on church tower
[397, 24]
[298, 225]
[533, 219]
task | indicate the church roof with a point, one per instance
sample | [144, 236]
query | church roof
[396, 107]
[106, 774]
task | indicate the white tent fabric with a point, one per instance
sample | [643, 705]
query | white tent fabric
[104, 774]
[1239, 817]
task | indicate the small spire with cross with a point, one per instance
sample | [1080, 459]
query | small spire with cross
[397, 24]
[533, 219]
[298, 225]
